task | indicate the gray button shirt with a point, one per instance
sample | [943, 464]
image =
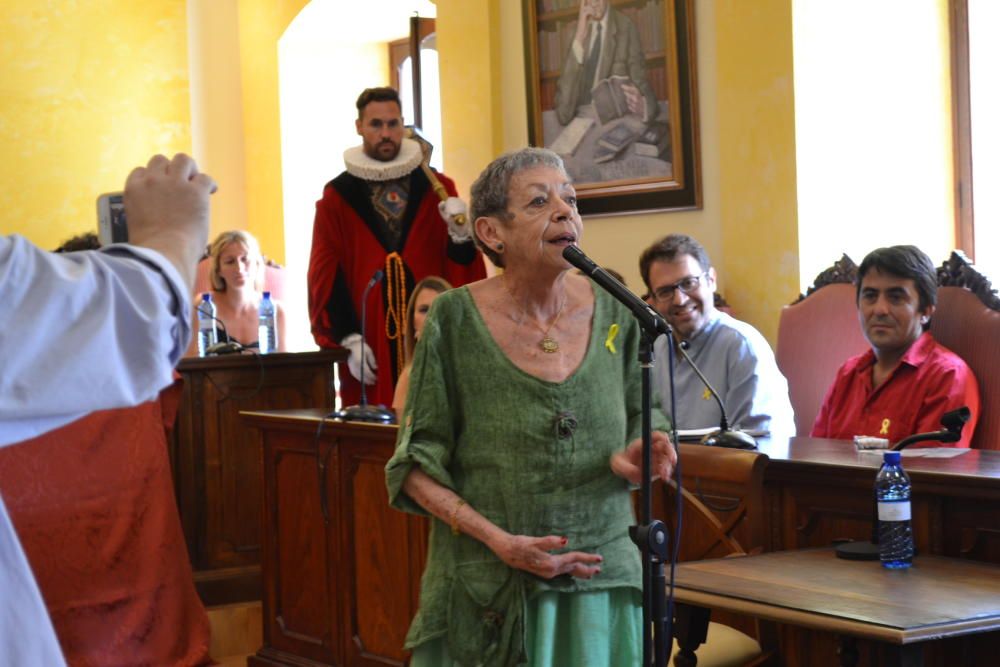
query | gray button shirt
[739, 363]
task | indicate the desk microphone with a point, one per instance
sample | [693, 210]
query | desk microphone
[953, 422]
[725, 436]
[364, 412]
[227, 346]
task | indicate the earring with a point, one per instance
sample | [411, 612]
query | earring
[499, 247]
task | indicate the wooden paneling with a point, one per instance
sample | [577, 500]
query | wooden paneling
[217, 464]
[341, 568]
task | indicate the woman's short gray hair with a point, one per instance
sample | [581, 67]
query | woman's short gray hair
[489, 192]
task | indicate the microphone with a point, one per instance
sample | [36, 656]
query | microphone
[364, 308]
[651, 321]
[953, 423]
[725, 436]
[220, 347]
[364, 412]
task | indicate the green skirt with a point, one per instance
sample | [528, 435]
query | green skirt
[594, 629]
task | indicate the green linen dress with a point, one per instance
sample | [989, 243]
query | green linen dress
[531, 456]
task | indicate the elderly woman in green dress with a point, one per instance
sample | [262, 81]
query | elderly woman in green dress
[520, 437]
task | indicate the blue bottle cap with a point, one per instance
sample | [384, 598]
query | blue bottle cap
[267, 295]
[892, 458]
[205, 296]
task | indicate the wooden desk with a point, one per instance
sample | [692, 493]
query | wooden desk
[341, 590]
[819, 491]
[936, 598]
[216, 458]
[341, 568]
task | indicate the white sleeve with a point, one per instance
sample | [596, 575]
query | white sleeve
[26, 633]
[84, 331]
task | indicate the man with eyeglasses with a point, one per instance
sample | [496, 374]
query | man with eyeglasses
[733, 356]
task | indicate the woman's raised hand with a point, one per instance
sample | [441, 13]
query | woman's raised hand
[627, 463]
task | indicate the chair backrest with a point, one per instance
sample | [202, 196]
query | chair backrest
[816, 336]
[967, 322]
[723, 496]
[274, 279]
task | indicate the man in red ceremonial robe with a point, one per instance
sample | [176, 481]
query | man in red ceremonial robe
[381, 214]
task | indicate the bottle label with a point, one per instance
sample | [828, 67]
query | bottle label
[894, 511]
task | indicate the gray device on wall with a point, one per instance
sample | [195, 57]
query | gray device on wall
[111, 226]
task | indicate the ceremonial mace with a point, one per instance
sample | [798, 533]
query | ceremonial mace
[426, 148]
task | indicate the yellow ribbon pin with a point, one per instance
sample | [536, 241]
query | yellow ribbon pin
[885, 427]
[706, 395]
[609, 342]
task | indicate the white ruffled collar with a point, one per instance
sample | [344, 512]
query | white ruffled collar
[369, 169]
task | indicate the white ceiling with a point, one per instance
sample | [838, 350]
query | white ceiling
[362, 21]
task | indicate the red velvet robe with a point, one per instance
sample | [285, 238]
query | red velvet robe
[93, 505]
[349, 246]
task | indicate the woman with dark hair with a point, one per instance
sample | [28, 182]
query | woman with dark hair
[521, 438]
[424, 293]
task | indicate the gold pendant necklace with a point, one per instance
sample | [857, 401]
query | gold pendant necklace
[548, 344]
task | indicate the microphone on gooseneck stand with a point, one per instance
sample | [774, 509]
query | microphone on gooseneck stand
[651, 321]
[649, 535]
[364, 412]
[953, 423]
[725, 436]
[223, 346]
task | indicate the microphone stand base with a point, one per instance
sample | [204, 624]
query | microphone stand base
[857, 551]
[366, 413]
[730, 439]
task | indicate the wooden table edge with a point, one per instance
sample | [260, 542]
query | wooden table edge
[818, 621]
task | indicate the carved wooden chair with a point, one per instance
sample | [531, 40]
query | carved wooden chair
[967, 321]
[816, 335]
[723, 515]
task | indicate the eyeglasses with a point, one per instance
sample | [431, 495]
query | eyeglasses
[686, 285]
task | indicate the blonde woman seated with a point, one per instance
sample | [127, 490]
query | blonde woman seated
[416, 312]
[236, 273]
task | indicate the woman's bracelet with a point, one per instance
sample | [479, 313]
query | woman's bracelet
[454, 517]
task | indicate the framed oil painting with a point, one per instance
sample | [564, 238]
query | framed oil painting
[611, 88]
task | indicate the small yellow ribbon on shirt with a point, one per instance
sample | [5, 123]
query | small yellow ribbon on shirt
[885, 427]
[609, 342]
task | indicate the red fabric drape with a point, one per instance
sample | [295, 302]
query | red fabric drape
[93, 505]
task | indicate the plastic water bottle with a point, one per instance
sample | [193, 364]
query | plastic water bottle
[892, 491]
[267, 330]
[207, 336]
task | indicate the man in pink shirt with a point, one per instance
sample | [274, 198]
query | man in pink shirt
[907, 380]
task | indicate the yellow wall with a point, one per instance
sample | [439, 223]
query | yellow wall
[237, 119]
[88, 90]
[757, 204]
[747, 221]
[261, 24]
[65, 65]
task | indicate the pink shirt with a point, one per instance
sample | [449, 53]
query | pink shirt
[929, 381]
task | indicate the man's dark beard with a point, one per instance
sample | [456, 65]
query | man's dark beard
[376, 155]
